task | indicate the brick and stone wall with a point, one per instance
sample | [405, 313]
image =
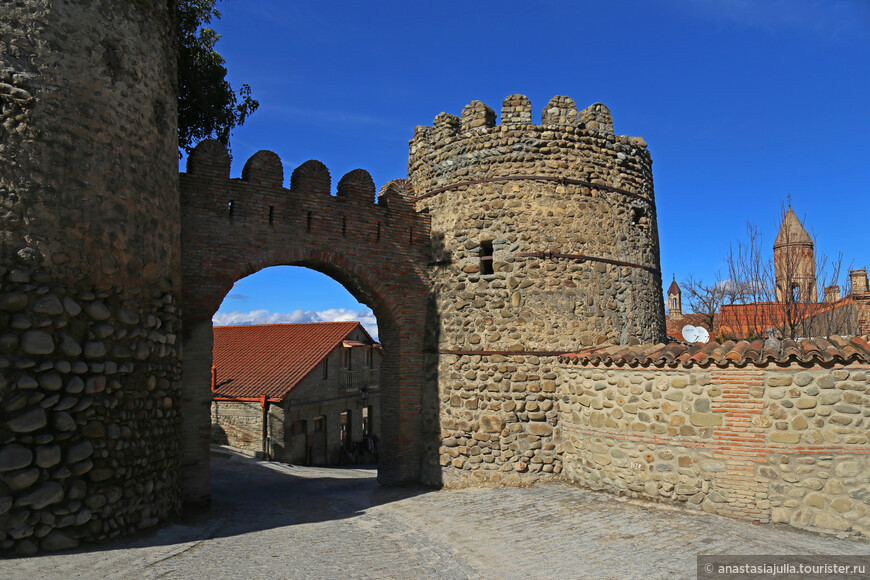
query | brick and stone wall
[89, 272]
[765, 443]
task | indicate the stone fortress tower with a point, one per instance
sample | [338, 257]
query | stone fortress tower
[544, 240]
[544, 236]
[89, 277]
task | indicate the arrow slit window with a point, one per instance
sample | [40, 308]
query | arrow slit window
[486, 258]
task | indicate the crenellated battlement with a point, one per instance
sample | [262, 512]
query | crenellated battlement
[571, 144]
[516, 111]
[225, 219]
[259, 198]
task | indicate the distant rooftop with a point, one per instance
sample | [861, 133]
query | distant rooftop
[271, 359]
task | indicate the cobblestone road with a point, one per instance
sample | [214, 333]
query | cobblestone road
[277, 521]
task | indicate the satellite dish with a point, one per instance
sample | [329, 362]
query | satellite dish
[695, 334]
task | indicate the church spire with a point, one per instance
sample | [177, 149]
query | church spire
[794, 261]
[792, 232]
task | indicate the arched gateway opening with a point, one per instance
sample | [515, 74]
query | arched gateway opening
[296, 371]
[232, 228]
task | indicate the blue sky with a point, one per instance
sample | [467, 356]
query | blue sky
[743, 103]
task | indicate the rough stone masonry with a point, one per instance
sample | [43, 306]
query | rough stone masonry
[543, 240]
[89, 279]
[509, 244]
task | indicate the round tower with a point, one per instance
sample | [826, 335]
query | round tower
[543, 236]
[543, 241]
[89, 275]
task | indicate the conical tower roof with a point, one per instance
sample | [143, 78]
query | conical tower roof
[673, 288]
[792, 232]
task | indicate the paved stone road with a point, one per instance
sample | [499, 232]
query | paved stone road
[277, 521]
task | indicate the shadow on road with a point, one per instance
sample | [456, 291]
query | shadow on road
[250, 495]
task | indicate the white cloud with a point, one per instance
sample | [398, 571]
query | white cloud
[831, 19]
[365, 317]
[327, 116]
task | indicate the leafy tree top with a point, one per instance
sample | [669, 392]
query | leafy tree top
[208, 107]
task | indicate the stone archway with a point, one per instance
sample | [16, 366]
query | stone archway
[232, 228]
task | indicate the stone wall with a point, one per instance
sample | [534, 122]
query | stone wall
[498, 420]
[784, 444]
[89, 272]
[240, 424]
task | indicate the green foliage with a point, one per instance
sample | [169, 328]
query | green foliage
[208, 107]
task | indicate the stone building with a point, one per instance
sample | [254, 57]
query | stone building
[303, 393]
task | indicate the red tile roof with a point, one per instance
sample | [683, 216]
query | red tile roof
[743, 320]
[835, 349]
[271, 359]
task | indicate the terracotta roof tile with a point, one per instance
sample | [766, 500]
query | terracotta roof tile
[758, 352]
[756, 318]
[271, 359]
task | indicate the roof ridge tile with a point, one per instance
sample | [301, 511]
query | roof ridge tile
[757, 352]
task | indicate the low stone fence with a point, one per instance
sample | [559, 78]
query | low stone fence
[778, 438]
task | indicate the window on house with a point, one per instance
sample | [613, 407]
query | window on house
[370, 359]
[298, 428]
[319, 424]
[325, 368]
[347, 358]
[486, 258]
